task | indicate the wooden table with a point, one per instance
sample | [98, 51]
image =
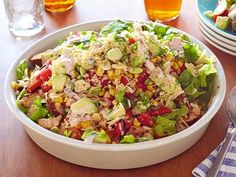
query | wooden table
[21, 157]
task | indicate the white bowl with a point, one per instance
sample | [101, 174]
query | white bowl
[111, 156]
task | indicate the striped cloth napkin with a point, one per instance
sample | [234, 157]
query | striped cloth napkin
[228, 167]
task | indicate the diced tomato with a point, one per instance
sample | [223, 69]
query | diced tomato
[128, 124]
[114, 136]
[44, 74]
[225, 13]
[46, 87]
[146, 119]
[143, 76]
[105, 81]
[129, 112]
[33, 86]
[130, 96]
[124, 80]
[119, 127]
[132, 40]
[75, 133]
[161, 110]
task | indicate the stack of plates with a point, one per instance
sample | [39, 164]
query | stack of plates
[223, 40]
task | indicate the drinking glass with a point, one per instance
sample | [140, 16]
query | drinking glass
[25, 17]
[162, 10]
[58, 5]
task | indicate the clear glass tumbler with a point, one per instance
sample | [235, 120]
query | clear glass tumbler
[25, 17]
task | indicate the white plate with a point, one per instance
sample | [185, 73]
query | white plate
[220, 47]
[217, 41]
[203, 5]
[112, 156]
[218, 36]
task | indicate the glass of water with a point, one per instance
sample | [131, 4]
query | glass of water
[25, 17]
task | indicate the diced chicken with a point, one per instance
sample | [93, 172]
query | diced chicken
[27, 101]
[49, 123]
[175, 43]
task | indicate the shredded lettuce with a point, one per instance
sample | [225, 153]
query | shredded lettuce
[183, 110]
[191, 52]
[165, 126]
[20, 69]
[117, 27]
[185, 78]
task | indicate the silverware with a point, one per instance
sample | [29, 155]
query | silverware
[231, 112]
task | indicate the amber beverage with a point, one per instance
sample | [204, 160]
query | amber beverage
[58, 5]
[162, 10]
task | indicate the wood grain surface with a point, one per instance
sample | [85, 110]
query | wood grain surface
[21, 157]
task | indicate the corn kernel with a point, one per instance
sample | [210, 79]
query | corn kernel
[169, 57]
[153, 60]
[129, 75]
[66, 99]
[150, 93]
[112, 91]
[101, 92]
[58, 100]
[150, 87]
[110, 74]
[96, 117]
[136, 122]
[180, 63]
[155, 103]
[99, 71]
[118, 72]
[114, 102]
[136, 76]
[14, 85]
[83, 125]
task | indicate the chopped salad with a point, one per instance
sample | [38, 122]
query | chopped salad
[128, 83]
[224, 14]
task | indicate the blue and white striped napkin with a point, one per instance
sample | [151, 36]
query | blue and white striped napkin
[228, 167]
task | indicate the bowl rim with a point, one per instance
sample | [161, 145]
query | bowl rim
[10, 100]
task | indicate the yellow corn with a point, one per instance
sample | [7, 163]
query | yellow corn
[83, 125]
[150, 87]
[136, 76]
[118, 72]
[58, 100]
[101, 92]
[129, 75]
[136, 122]
[66, 99]
[110, 74]
[180, 63]
[114, 102]
[96, 117]
[169, 57]
[112, 91]
[156, 59]
[155, 103]
[14, 85]
[150, 93]
[99, 71]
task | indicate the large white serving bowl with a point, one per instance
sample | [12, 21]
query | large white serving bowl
[111, 156]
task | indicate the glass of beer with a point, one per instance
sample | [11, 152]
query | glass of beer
[58, 5]
[162, 10]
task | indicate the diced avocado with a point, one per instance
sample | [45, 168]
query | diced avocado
[154, 48]
[222, 22]
[114, 54]
[82, 71]
[137, 61]
[128, 139]
[208, 14]
[222, 6]
[135, 70]
[117, 111]
[58, 82]
[95, 90]
[58, 68]
[84, 106]
[102, 137]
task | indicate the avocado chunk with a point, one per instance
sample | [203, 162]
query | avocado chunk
[137, 61]
[58, 82]
[154, 48]
[222, 22]
[118, 111]
[114, 54]
[84, 106]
